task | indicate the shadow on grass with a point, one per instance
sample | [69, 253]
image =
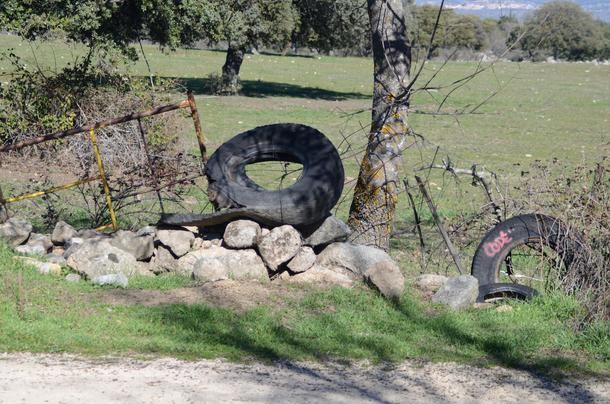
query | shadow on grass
[259, 334]
[257, 88]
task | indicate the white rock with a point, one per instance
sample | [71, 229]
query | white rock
[303, 260]
[242, 234]
[179, 241]
[279, 246]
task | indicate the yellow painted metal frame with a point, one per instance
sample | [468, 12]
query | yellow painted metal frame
[100, 166]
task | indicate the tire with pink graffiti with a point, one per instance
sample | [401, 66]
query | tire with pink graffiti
[532, 250]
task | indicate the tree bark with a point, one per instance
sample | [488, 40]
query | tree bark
[231, 84]
[375, 195]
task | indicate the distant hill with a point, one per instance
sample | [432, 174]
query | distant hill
[600, 9]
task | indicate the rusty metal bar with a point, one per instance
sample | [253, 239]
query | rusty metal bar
[98, 125]
[198, 130]
[105, 227]
[100, 166]
[48, 191]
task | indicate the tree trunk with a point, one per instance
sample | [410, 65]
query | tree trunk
[231, 84]
[375, 195]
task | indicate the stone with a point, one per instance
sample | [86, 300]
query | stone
[15, 231]
[238, 264]
[98, 257]
[37, 244]
[178, 241]
[42, 267]
[387, 278]
[210, 270]
[242, 234]
[147, 231]
[90, 233]
[141, 247]
[198, 243]
[264, 231]
[56, 259]
[324, 276]
[279, 246]
[458, 293]
[117, 279]
[356, 258]
[303, 260]
[74, 278]
[331, 230]
[430, 283]
[62, 233]
[163, 260]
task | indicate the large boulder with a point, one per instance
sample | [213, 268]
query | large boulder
[62, 233]
[98, 257]
[141, 247]
[280, 245]
[386, 277]
[242, 234]
[15, 231]
[331, 230]
[370, 263]
[37, 244]
[303, 260]
[332, 276]
[217, 263]
[163, 260]
[458, 293]
[179, 241]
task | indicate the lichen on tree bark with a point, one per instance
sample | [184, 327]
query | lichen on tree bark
[375, 195]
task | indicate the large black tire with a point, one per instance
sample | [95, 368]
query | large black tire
[496, 291]
[532, 230]
[307, 201]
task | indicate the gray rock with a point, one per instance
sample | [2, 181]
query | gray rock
[116, 279]
[179, 241]
[147, 231]
[42, 267]
[62, 233]
[430, 282]
[15, 231]
[387, 278]
[90, 233]
[279, 246]
[330, 231]
[459, 292]
[56, 259]
[303, 260]
[333, 276]
[141, 247]
[242, 234]
[98, 257]
[73, 278]
[356, 258]
[163, 261]
[210, 270]
[31, 250]
[37, 244]
[237, 264]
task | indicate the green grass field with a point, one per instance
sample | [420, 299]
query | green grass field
[541, 112]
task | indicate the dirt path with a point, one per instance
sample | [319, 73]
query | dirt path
[68, 379]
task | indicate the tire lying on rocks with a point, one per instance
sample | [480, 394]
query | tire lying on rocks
[497, 291]
[308, 200]
[531, 231]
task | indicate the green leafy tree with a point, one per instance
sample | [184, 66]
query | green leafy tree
[328, 25]
[561, 29]
[247, 24]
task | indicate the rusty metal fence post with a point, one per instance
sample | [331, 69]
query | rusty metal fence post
[100, 166]
[188, 103]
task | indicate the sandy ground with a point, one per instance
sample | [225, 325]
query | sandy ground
[34, 378]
